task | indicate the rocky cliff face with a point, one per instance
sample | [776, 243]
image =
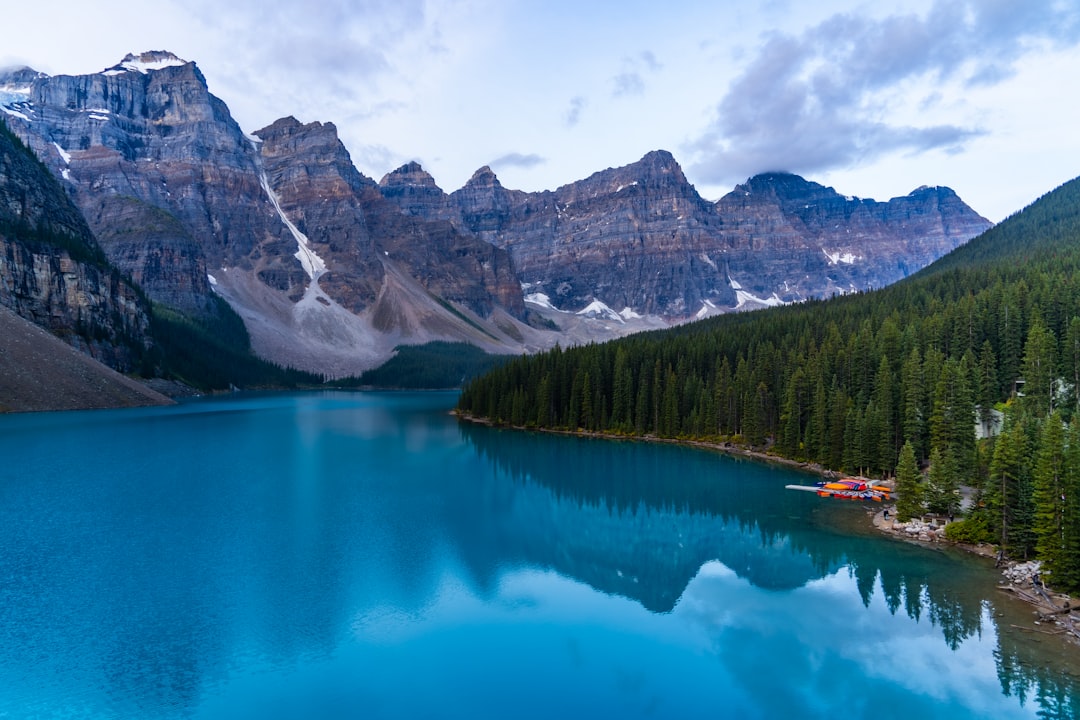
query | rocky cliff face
[357, 231]
[52, 271]
[636, 237]
[147, 129]
[641, 238]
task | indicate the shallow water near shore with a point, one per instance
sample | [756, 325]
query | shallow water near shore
[340, 555]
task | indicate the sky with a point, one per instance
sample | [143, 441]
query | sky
[873, 99]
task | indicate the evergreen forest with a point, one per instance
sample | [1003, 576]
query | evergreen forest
[964, 374]
[213, 352]
[436, 365]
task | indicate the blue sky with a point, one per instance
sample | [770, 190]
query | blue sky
[875, 101]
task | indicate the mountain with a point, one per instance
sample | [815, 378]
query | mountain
[330, 271]
[54, 274]
[640, 237]
[189, 206]
[801, 240]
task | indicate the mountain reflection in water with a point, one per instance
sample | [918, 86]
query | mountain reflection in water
[615, 515]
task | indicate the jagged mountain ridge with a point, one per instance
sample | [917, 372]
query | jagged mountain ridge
[839, 243]
[187, 204]
[331, 270]
[641, 237]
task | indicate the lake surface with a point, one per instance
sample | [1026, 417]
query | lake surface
[363, 555]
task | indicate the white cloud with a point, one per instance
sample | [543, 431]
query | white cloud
[827, 97]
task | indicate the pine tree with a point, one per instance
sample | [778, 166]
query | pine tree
[791, 417]
[1049, 494]
[1010, 332]
[1009, 518]
[588, 416]
[543, 402]
[1040, 368]
[913, 392]
[962, 431]
[908, 488]
[1072, 360]
[622, 393]
[942, 484]
[884, 401]
[817, 431]
[987, 392]
[725, 399]
[669, 414]
[1068, 577]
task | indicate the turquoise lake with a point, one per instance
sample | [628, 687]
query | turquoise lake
[364, 555]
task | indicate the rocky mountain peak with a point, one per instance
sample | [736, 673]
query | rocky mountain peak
[315, 140]
[940, 192]
[484, 177]
[781, 185]
[658, 165]
[661, 160]
[145, 62]
[411, 174]
[289, 125]
[655, 170]
[413, 190]
[18, 77]
[484, 204]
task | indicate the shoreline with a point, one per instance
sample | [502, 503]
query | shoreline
[1018, 584]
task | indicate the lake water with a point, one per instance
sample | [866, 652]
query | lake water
[358, 555]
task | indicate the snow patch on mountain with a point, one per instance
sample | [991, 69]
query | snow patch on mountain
[748, 301]
[144, 63]
[63, 153]
[313, 265]
[838, 257]
[14, 95]
[599, 309]
[15, 113]
[542, 300]
[708, 309]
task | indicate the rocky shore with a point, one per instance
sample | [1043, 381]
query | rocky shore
[1053, 612]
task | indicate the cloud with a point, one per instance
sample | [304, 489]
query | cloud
[573, 114]
[649, 60]
[331, 53]
[631, 81]
[518, 160]
[628, 83]
[820, 100]
[375, 155]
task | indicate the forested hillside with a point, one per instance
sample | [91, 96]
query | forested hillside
[867, 382]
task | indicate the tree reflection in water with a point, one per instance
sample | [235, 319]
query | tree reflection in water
[665, 511]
